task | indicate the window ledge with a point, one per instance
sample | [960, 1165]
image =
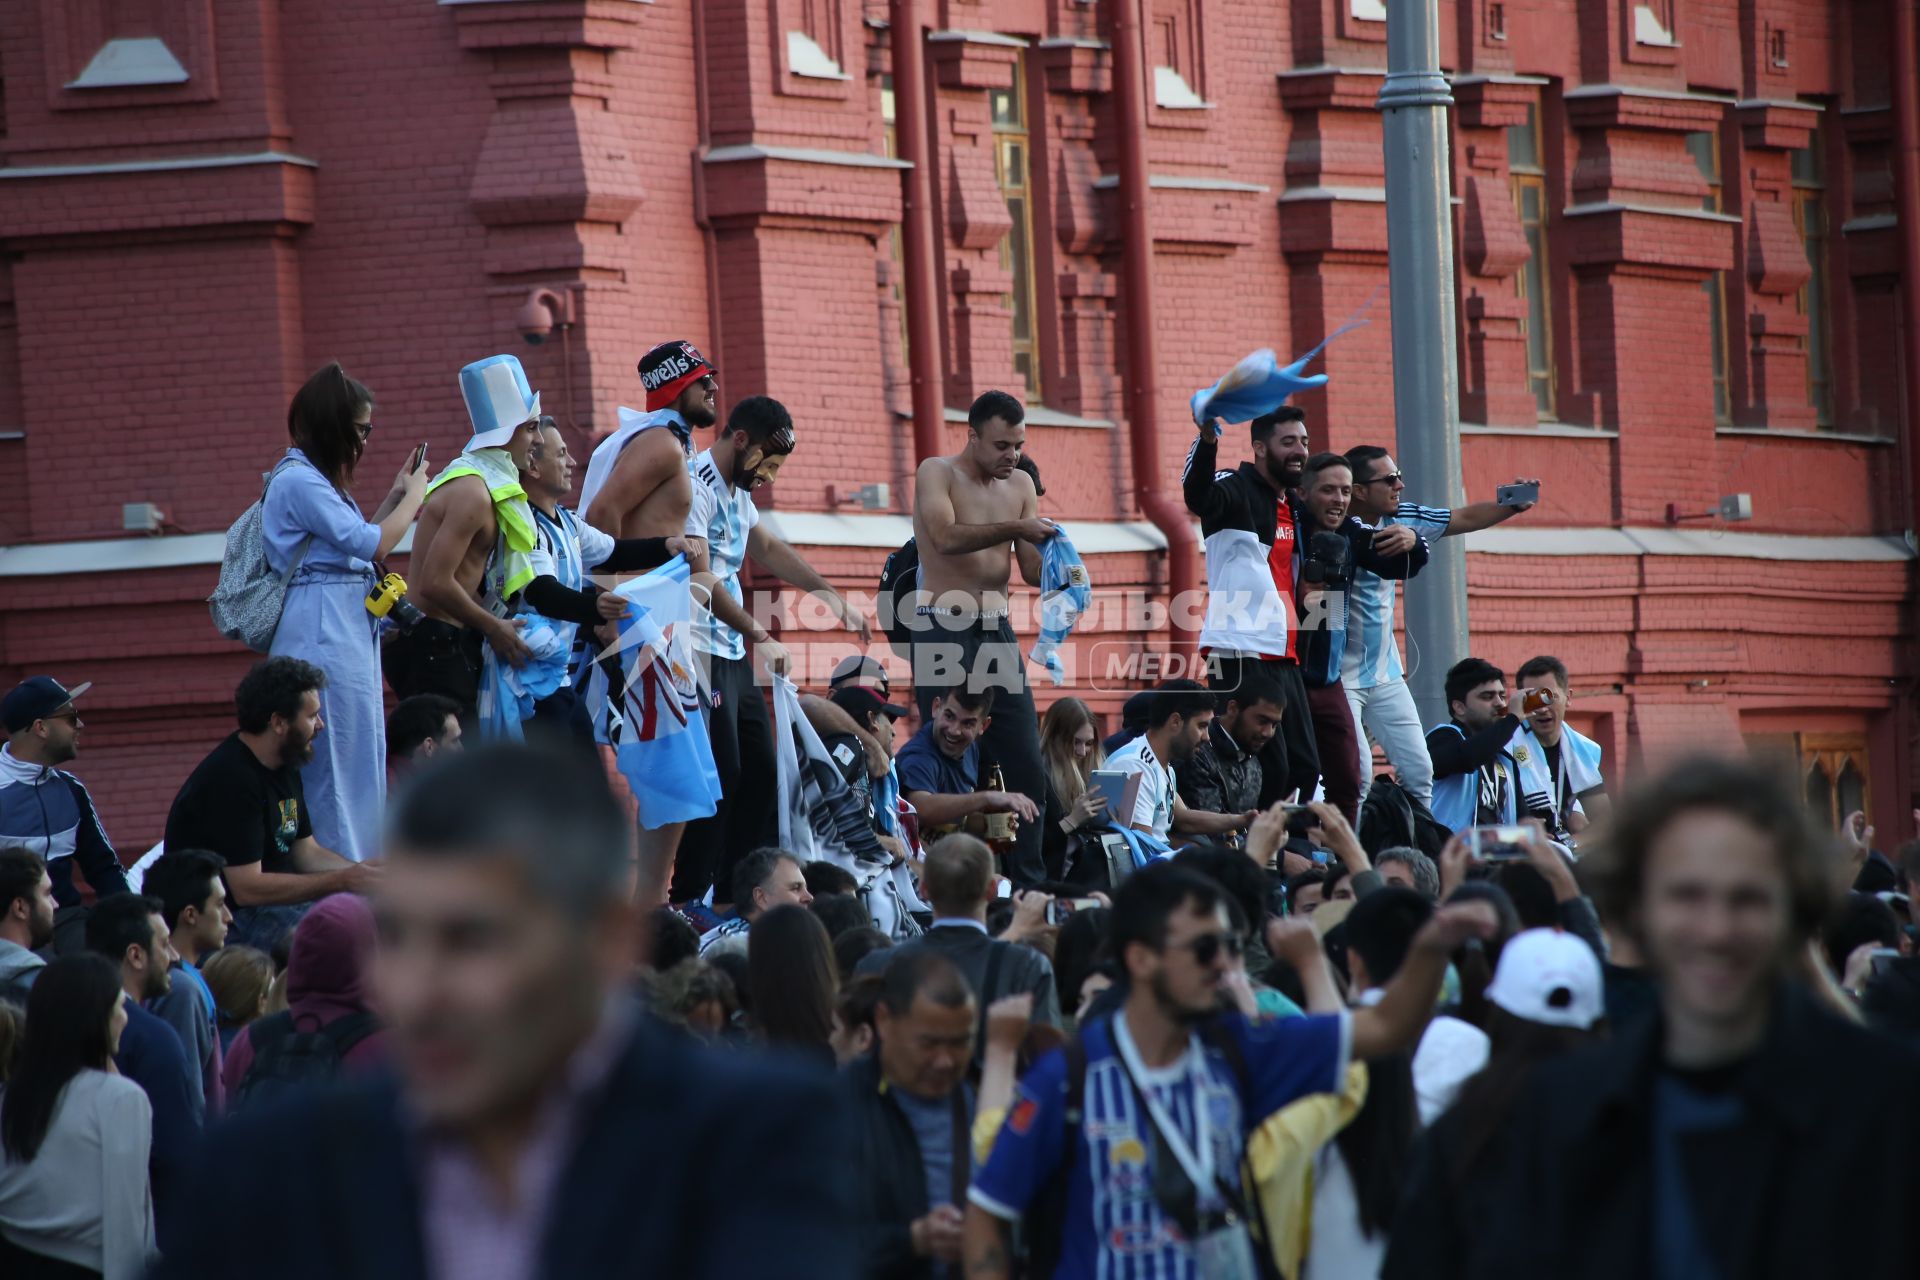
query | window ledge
[1185, 182]
[1829, 437]
[131, 62]
[1658, 210]
[1551, 430]
[1038, 415]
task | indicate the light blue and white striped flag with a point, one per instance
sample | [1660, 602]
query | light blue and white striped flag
[507, 692]
[1066, 590]
[654, 723]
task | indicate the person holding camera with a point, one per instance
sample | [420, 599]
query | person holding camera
[1370, 667]
[1476, 778]
[313, 527]
[1336, 548]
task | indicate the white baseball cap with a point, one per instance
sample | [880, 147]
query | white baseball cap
[1549, 977]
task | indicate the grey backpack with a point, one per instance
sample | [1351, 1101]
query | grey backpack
[247, 602]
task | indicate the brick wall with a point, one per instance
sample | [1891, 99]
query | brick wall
[413, 170]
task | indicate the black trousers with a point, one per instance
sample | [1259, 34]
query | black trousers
[435, 657]
[983, 654]
[1292, 760]
[562, 716]
[745, 819]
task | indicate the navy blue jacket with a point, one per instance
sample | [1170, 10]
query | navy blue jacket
[693, 1164]
[50, 812]
[152, 1056]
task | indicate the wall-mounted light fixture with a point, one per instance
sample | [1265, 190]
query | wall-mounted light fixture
[1735, 506]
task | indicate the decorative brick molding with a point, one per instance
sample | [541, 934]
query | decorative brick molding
[1079, 346]
[1494, 386]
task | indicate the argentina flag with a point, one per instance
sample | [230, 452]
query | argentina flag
[652, 718]
[1066, 589]
[507, 693]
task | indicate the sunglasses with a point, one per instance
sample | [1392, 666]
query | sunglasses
[1207, 947]
[1392, 477]
[71, 716]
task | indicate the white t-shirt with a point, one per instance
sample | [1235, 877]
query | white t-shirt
[1451, 1053]
[724, 516]
[1153, 807]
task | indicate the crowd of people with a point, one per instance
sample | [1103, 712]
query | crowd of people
[817, 992]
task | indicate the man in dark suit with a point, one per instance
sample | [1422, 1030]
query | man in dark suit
[959, 883]
[537, 1125]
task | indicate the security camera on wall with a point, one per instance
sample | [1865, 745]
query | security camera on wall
[534, 321]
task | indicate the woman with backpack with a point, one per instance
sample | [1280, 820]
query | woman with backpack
[74, 1136]
[327, 1027]
[313, 529]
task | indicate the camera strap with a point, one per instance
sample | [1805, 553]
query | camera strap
[1195, 1161]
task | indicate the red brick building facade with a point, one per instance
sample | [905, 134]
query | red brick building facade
[1678, 278]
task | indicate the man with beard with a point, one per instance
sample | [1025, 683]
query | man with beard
[1475, 776]
[725, 526]
[1252, 546]
[1178, 721]
[26, 921]
[1123, 1152]
[1224, 774]
[1335, 547]
[640, 485]
[245, 802]
[973, 515]
[1748, 1130]
[47, 809]
[130, 932]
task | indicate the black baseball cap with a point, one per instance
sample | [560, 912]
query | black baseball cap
[860, 702]
[36, 698]
[857, 666]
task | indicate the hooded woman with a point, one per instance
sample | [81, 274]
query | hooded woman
[326, 994]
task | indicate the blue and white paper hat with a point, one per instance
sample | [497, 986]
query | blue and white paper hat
[498, 400]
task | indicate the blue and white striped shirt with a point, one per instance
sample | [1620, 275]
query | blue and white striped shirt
[724, 516]
[564, 548]
[1114, 1227]
[1371, 657]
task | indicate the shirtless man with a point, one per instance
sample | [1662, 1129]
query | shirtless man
[973, 515]
[639, 485]
[458, 541]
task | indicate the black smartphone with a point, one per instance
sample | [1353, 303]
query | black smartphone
[419, 457]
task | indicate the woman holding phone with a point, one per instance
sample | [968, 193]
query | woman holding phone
[1070, 745]
[313, 526]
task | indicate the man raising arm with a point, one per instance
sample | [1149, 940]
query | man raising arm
[1168, 1055]
[1371, 672]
